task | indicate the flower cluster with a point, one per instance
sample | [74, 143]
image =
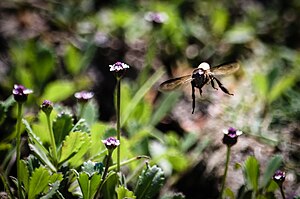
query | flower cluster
[230, 136]
[84, 96]
[119, 69]
[21, 93]
[111, 143]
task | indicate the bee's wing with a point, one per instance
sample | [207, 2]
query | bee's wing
[225, 69]
[174, 83]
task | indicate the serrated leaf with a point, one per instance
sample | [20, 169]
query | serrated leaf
[81, 126]
[123, 192]
[149, 182]
[71, 145]
[62, 125]
[251, 172]
[79, 157]
[272, 166]
[42, 156]
[53, 189]
[24, 175]
[38, 182]
[174, 196]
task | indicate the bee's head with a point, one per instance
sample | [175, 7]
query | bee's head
[204, 66]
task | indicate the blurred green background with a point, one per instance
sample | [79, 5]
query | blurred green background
[58, 48]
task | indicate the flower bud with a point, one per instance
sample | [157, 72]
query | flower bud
[47, 107]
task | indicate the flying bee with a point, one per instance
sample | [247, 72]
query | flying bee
[202, 75]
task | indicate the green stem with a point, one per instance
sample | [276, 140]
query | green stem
[106, 166]
[118, 122]
[53, 145]
[81, 109]
[19, 120]
[282, 192]
[225, 172]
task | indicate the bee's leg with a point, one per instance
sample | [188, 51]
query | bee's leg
[212, 78]
[222, 87]
[193, 97]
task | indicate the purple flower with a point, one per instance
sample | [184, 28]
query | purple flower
[20, 93]
[156, 17]
[230, 136]
[111, 143]
[84, 96]
[279, 177]
[47, 107]
[118, 68]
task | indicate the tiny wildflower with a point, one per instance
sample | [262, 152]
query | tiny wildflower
[111, 143]
[47, 107]
[84, 96]
[20, 93]
[279, 177]
[230, 136]
[118, 68]
[156, 17]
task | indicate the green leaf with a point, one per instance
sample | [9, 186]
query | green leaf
[261, 83]
[89, 185]
[272, 166]
[282, 85]
[219, 19]
[174, 196]
[38, 182]
[123, 192]
[81, 126]
[24, 175]
[62, 125]
[139, 95]
[228, 193]
[59, 90]
[109, 186]
[42, 156]
[72, 59]
[90, 113]
[71, 145]
[149, 182]
[80, 156]
[239, 34]
[251, 172]
[165, 105]
[53, 190]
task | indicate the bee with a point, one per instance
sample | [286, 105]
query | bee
[202, 75]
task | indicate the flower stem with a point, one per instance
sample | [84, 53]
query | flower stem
[118, 122]
[106, 166]
[282, 192]
[19, 120]
[53, 145]
[225, 172]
